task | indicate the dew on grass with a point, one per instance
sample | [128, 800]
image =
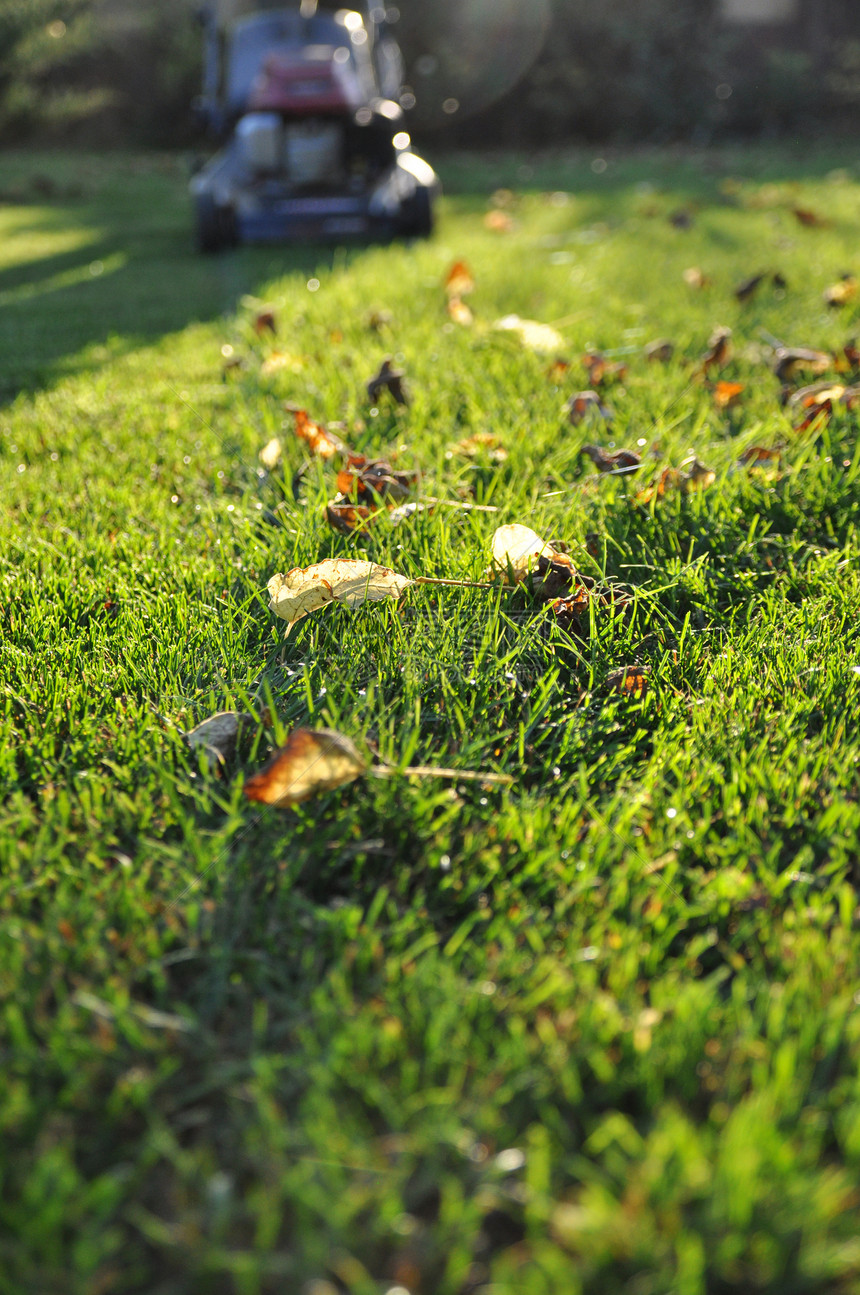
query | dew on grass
[671, 813]
[445, 863]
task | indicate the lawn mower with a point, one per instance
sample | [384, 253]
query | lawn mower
[314, 144]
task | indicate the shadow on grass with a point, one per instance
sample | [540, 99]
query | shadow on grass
[100, 268]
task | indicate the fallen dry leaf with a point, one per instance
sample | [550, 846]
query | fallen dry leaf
[697, 477]
[629, 680]
[727, 394]
[746, 290]
[322, 442]
[377, 320]
[280, 360]
[388, 379]
[500, 222]
[310, 762]
[369, 479]
[216, 736]
[459, 280]
[660, 350]
[810, 219]
[515, 552]
[840, 293]
[557, 370]
[346, 517]
[601, 370]
[460, 312]
[583, 404]
[791, 360]
[612, 460]
[270, 454]
[344, 580]
[760, 454]
[481, 443]
[719, 350]
[696, 278]
[542, 338]
[265, 323]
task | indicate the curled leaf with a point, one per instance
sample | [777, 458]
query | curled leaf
[310, 762]
[270, 454]
[601, 370]
[755, 454]
[791, 360]
[388, 379]
[810, 219]
[840, 293]
[500, 222]
[612, 460]
[515, 551]
[459, 280]
[460, 312]
[746, 290]
[344, 580]
[542, 338]
[481, 443]
[696, 278]
[322, 442]
[727, 394]
[719, 350]
[629, 681]
[278, 361]
[369, 479]
[346, 517]
[265, 323]
[660, 350]
[216, 736]
[583, 404]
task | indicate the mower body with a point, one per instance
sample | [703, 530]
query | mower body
[314, 144]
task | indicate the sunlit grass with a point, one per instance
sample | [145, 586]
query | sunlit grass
[596, 1033]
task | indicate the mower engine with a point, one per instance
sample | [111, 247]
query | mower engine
[314, 150]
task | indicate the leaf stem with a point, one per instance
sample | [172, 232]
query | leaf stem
[431, 771]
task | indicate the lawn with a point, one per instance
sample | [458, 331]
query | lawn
[593, 1031]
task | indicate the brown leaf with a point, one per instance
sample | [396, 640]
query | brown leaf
[265, 323]
[719, 350]
[369, 479]
[601, 370]
[727, 394]
[629, 681]
[460, 312]
[760, 454]
[555, 576]
[791, 360]
[851, 351]
[388, 379]
[459, 281]
[216, 736]
[583, 404]
[840, 293]
[746, 289]
[696, 278]
[280, 360]
[697, 477]
[612, 460]
[499, 222]
[810, 219]
[346, 517]
[557, 370]
[661, 350]
[515, 552]
[322, 442]
[377, 320]
[345, 580]
[311, 761]
[481, 443]
[682, 219]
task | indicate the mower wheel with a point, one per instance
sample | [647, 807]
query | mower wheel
[416, 217]
[216, 226]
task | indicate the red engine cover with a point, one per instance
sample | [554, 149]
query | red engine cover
[289, 85]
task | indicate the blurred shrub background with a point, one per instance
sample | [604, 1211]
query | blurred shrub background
[482, 72]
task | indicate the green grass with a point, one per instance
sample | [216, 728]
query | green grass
[598, 1033]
